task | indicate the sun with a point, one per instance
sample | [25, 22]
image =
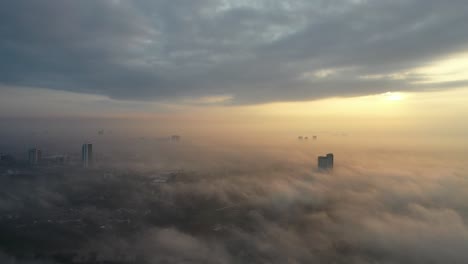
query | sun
[393, 96]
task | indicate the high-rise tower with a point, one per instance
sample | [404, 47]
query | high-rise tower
[325, 162]
[87, 155]
[34, 156]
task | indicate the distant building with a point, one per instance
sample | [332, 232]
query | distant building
[314, 137]
[87, 155]
[5, 158]
[34, 156]
[175, 138]
[55, 160]
[325, 162]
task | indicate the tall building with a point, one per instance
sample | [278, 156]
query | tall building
[325, 162]
[34, 156]
[87, 154]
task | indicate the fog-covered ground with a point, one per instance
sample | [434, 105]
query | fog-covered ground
[240, 203]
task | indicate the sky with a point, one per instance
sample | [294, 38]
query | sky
[347, 66]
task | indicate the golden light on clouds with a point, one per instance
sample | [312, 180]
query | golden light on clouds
[386, 104]
[449, 69]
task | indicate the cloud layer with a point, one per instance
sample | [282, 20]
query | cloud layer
[250, 51]
[246, 206]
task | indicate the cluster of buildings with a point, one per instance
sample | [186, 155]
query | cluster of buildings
[87, 160]
[300, 138]
[324, 163]
[35, 157]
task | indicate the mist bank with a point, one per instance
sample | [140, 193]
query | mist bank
[66, 134]
[264, 203]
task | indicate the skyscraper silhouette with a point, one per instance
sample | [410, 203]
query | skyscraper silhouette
[34, 156]
[87, 155]
[325, 162]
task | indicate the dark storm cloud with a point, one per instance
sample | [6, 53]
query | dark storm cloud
[256, 51]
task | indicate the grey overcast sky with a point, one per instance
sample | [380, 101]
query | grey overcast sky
[252, 52]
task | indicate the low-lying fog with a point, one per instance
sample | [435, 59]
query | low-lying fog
[232, 202]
